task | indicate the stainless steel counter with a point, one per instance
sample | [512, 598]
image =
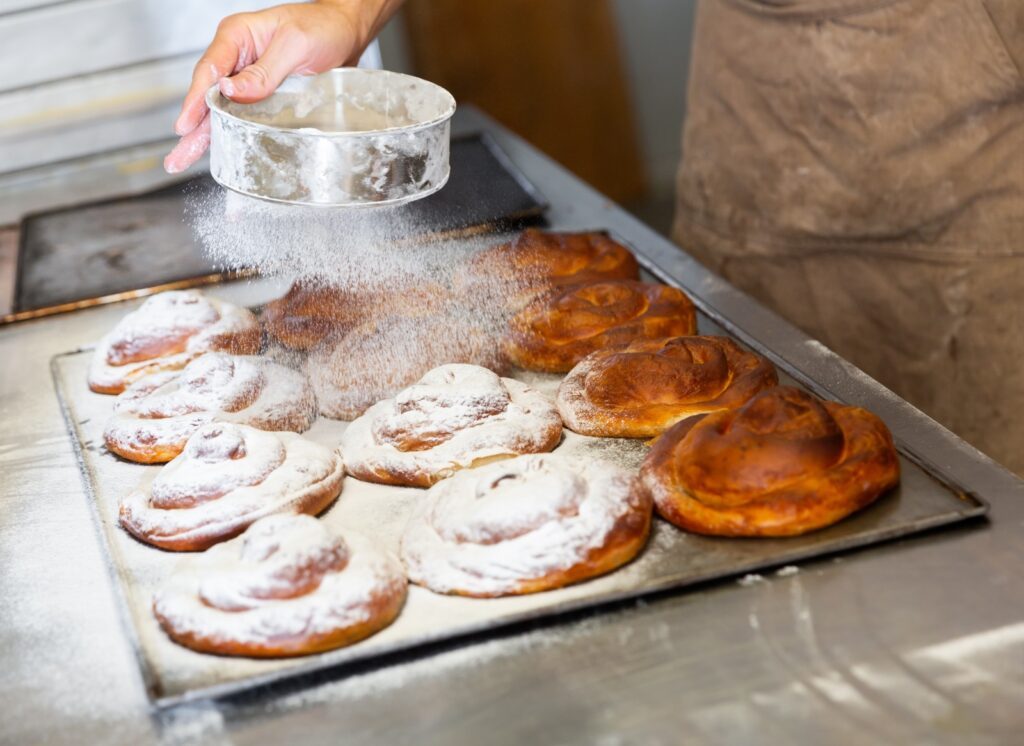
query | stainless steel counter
[919, 641]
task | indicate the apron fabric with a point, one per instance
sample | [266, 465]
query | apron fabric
[858, 166]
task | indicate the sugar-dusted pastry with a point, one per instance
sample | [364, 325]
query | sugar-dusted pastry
[313, 311]
[288, 586]
[783, 464]
[227, 477]
[638, 389]
[167, 332]
[537, 260]
[559, 329]
[381, 357]
[455, 417]
[524, 525]
[156, 415]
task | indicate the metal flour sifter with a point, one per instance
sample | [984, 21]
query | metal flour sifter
[348, 137]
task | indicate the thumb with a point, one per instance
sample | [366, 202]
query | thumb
[286, 52]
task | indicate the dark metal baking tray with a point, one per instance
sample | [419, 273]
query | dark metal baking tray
[129, 247]
[672, 560]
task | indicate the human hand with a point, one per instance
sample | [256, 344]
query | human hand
[253, 52]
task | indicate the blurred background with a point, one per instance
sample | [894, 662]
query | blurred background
[93, 86]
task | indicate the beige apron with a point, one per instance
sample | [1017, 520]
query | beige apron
[858, 165]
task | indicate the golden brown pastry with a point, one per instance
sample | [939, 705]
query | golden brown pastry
[167, 332]
[783, 464]
[384, 355]
[525, 525]
[455, 417]
[559, 329]
[312, 311]
[537, 260]
[155, 416]
[288, 586]
[638, 389]
[227, 477]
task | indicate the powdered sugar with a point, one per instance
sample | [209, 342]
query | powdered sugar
[386, 259]
[344, 247]
[214, 382]
[379, 511]
[170, 318]
[447, 399]
[279, 558]
[201, 497]
[454, 417]
[160, 412]
[216, 460]
[165, 333]
[290, 578]
[486, 531]
[379, 358]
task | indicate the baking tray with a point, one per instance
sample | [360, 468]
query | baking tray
[672, 559]
[131, 247]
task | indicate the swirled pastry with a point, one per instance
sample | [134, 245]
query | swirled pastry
[559, 329]
[783, 464]
[455, 417]
[167, 332]
[381, 357]
[538, 260]
[312, 312]
[227, 477]
[156, 415]
[639, 389]
[524, 525]
[285, 587]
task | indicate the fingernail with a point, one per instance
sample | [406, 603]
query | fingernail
[227, 87]
[171, 167]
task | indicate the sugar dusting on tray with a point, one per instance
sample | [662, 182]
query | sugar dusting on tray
[378, 510]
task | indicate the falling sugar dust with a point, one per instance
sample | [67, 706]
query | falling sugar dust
[398, 301]
[336, 246]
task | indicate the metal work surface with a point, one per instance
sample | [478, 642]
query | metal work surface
[671, 559]
[108, 248]
[915, 641]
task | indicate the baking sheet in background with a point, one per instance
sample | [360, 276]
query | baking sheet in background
[99, 253]
[672, 558]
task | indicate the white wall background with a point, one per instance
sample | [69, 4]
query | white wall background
[85, 76]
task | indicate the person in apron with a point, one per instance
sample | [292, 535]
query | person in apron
[858, 166]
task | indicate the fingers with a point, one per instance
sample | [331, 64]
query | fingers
[193, 109]
[258, 51]
[190, 148]
[230, 50]
[288, 51]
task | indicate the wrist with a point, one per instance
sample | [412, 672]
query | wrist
[366, 17]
